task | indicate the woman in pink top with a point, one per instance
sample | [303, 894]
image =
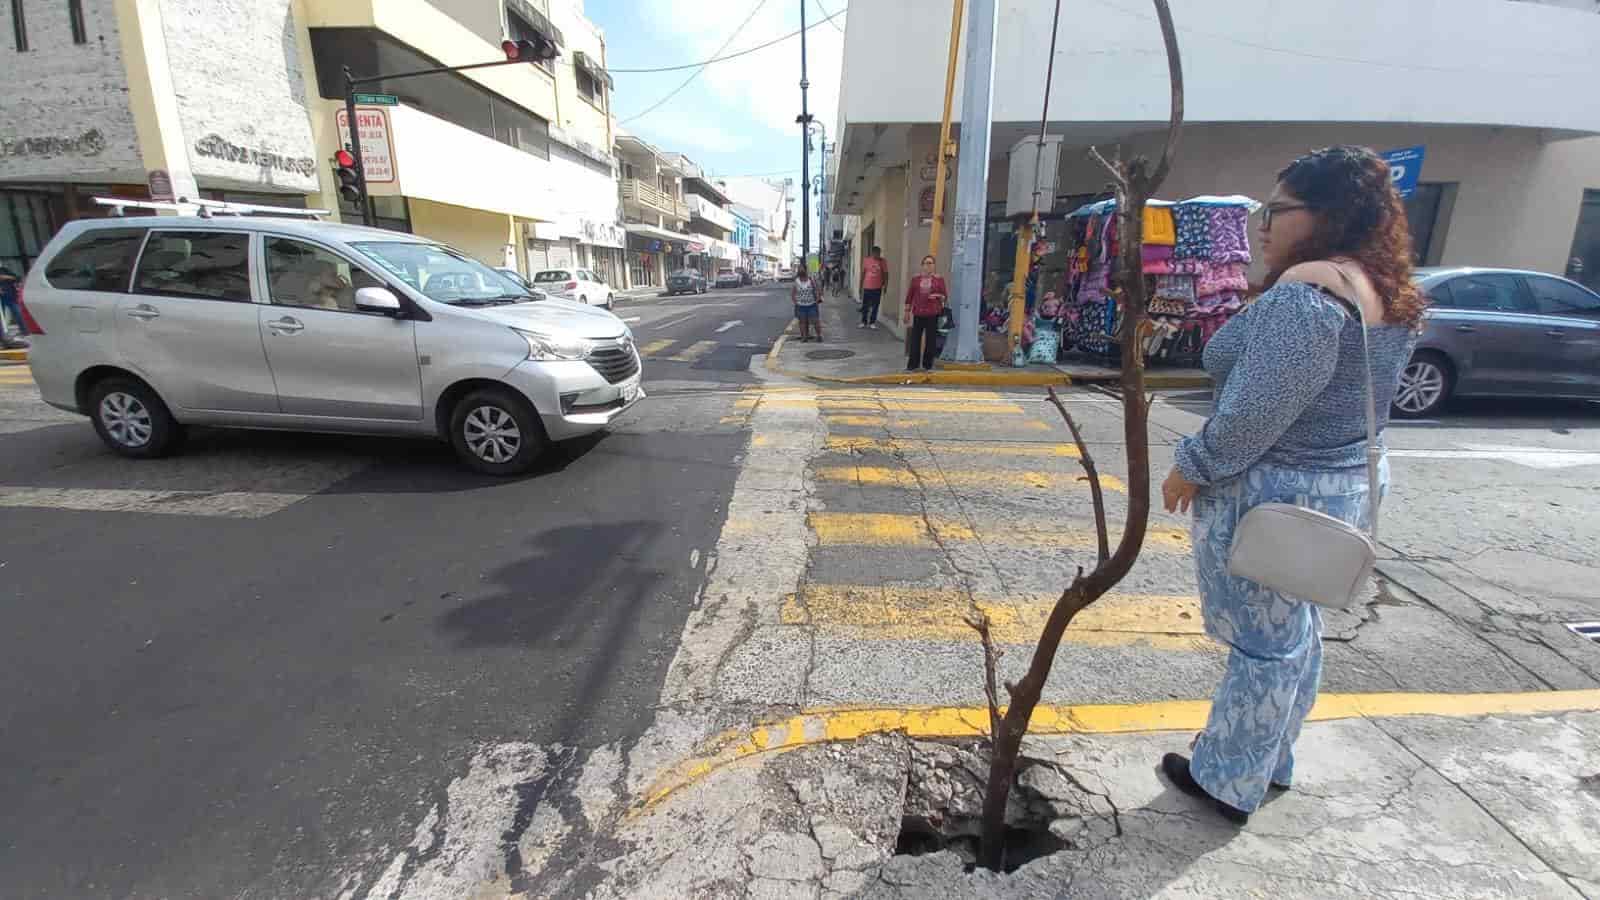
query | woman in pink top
[925, 298]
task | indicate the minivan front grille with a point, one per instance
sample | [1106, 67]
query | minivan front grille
[615, 364]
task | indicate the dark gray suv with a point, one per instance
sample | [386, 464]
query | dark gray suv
[1501, 333]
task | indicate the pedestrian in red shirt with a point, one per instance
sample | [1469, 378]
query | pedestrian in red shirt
[874, 276]
[925, 299]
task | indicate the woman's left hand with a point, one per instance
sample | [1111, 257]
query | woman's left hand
[1177, 492]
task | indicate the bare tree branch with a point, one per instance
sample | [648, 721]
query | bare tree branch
[1087, 461]
[1169, 39]
[1136, 182]
[978, 621]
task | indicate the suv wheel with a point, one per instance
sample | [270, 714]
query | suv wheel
[132, 420]
[1425, 385]
[496, 432]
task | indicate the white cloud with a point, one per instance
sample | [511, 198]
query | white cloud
[763, 87]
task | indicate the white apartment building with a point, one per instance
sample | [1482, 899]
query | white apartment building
[1498, 93]
[511, 164]
[765, 205]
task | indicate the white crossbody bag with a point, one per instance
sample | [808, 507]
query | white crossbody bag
[1310, 555]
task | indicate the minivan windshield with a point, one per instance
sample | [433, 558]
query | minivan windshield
[443, 274]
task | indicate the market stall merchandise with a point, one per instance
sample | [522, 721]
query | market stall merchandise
[1195, 255]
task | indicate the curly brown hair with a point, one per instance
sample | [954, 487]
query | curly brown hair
[1360, 217]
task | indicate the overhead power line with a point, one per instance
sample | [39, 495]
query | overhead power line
[696, 73]
[735, 55]
[828, 18]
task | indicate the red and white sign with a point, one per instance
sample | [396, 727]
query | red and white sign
[377, 150]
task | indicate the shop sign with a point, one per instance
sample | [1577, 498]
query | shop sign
[1405, 167]
[696, 247]
[160, 185]
[377, 151]
[925, 205]
[215, 146]
[90, 143]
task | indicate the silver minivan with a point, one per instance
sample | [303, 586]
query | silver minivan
[153, 324]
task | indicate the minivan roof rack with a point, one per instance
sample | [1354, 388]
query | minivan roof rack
[207, 208]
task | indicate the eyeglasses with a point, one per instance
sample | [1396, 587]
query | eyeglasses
[1268, 211]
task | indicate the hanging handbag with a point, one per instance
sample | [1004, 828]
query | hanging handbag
[1306, 554]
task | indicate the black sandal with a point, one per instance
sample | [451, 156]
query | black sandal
[1176, 768]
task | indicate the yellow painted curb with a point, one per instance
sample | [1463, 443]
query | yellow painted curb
[14, 355]
[832, 725]
[973, 378]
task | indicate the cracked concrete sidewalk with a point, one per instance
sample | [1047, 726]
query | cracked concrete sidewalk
[1503, 806]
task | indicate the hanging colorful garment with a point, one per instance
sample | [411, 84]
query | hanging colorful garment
[1230, 234]
[1221, 278]
[1193, 224]
[1156, 258]
[1159, 227]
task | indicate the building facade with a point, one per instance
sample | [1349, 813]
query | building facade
[1511, 171]
[654, 213]
[142, 98]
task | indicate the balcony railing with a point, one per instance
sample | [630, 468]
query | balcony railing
[646, 194]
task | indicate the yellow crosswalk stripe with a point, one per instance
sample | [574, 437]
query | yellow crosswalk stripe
[998, 478]
[871, 421]
[654, 347]
[844, 443]
[693, 352]
[831, 404]
[1165, 621]
[899, 530]
[18, 374]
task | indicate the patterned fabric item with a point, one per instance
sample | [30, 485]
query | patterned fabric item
[1275, 659]
[1159, 227]
[1175, 287]
[1230, 234]
[1046, 345]
[1155, 257]
[1194, 231]
[1221, 278]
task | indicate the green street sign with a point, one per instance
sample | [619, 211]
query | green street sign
[378, 99]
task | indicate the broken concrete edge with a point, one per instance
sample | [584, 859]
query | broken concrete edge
[847, 724]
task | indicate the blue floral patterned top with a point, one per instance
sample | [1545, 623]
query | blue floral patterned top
[1290, 387]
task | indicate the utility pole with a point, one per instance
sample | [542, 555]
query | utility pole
[972, 184]
[805, 148]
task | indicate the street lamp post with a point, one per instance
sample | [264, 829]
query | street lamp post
[804, 120]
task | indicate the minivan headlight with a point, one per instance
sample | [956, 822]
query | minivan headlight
[543, 346]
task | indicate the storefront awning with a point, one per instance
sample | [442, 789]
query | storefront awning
[658, 233]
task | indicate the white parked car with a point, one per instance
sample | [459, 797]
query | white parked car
[581, 285]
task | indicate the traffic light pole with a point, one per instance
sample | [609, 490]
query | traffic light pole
[355, 147]
[351, 83]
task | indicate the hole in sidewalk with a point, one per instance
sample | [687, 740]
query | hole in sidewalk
[1047, 811]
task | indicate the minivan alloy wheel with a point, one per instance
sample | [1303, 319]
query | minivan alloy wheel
[126, 419]
[492, 434]
[1421, 386]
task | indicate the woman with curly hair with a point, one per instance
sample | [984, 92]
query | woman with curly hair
[1289, 425]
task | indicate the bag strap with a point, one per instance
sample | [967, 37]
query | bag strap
[1374, 495]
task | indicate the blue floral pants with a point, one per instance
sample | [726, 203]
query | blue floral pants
[1275, 641]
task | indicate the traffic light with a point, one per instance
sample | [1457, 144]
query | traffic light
[344, 163]
[537, 49]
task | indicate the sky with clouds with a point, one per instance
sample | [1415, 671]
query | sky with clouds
[737, 117]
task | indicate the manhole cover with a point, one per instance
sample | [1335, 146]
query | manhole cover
[1590, 630]
[830, 354]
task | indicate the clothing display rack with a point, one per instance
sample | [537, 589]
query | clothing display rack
[1196, 253]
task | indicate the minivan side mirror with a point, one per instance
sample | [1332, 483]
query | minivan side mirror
[377, 300]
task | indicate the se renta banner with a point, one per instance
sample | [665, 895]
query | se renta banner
[1405, 167]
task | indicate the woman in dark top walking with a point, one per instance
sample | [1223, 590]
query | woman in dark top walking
[925, 298]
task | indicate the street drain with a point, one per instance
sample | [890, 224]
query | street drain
[1590, 630]
[830, 354]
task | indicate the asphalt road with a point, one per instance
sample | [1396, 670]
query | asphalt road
[246, 671]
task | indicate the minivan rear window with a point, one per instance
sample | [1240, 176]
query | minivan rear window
[551, 275]
[100, 259]
[211, 265]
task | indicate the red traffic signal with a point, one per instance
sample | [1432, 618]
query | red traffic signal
[344, 164]
[537, 49]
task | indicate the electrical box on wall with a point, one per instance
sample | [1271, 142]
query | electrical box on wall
[1027, 157]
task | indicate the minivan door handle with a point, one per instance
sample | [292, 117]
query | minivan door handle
[144, 311]
[285, 325]
[1466, 329]
[1555, 332]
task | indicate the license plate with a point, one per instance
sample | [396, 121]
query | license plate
[630, 392]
